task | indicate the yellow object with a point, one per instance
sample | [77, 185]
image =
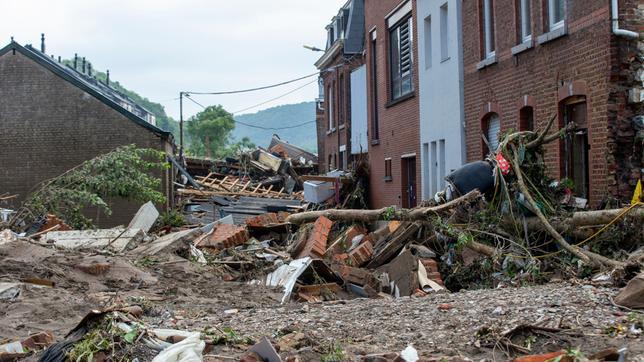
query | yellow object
[637, 195]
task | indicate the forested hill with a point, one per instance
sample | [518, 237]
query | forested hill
[277, 117]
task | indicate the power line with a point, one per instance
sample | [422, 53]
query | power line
[276, 98]
[255, 89]
[254, 126]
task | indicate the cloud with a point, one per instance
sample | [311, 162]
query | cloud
[159, 48]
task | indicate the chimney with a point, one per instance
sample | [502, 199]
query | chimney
[89, 69]
[75, 61]
[12, 39]
[83, 65]
[107, 79]
[42, 42]
[59, 59]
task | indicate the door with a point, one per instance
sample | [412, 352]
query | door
[408, 177]
[576, 148]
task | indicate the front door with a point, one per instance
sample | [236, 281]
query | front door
[408, 179]
[576, 149]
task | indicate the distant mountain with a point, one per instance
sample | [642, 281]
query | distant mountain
[281, 116]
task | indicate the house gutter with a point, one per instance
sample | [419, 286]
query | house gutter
[615, 20]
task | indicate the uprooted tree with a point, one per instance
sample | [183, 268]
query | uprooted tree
[126, 172]
[522, 218]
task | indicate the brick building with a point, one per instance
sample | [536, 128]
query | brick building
[341, 117]
[526, 60]
[392, 102]
[53, 118]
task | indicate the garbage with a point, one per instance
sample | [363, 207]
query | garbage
[20, 349]
[188, 350]
[9, 291]
[117, 239]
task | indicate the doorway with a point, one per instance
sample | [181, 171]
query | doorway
[408, 178]
[576, 146]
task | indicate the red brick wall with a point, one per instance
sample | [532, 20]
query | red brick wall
[329, 141]
[583, 58]
[398, 123]
[48, 125]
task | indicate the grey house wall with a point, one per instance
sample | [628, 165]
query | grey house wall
[48, 125]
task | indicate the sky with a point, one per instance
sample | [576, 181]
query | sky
[158, 48]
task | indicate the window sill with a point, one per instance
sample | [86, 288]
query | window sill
[444, 60]
[486, 62]
[375, 142]
[400, 99]
[328, 132]
[341, 126]
[388, 178]
[552, 35]
[526, 45]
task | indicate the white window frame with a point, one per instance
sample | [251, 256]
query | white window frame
[444, 31]
[330, 108]
[488, 27]
[551, 15]
[526, 21]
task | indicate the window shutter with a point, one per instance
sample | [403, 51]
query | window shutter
[405, 47]
[493, 129]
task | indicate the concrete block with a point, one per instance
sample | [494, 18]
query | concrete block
[117, 239]
[145, 217]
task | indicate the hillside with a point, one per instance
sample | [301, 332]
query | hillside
[280, 116]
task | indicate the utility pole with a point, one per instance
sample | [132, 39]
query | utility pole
[181, 125]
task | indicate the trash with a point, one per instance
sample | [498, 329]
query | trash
[19, 349]
[409, 354]
[188, 350]
[171, 242]
[9, 291]
[7, 236]
[145, 217]
[266, 351]
[307, 271]
[117, 239]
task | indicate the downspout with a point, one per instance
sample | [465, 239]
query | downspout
[615, 20]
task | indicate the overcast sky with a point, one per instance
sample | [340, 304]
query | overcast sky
[158, 48]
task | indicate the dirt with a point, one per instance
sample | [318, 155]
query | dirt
[176, 293]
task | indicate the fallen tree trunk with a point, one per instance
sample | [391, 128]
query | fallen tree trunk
[579, 219]
[385, 213]
[584, 255]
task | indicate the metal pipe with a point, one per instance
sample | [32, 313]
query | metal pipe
[615, 20]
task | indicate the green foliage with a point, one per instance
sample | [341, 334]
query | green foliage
[172, 218]
[122, 173]
[335, 354]
[209, 131]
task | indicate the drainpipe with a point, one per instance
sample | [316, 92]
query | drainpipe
[615, 19]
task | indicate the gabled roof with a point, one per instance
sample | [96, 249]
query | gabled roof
[96, 89]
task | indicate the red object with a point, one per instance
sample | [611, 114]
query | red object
[504, 165]
[445, 306]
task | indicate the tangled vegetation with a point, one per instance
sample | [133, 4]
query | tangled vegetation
[127, 172]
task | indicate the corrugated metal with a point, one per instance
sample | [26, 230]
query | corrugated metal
[494, 127]
[359, 142]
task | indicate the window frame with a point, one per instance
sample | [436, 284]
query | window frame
[375, 136]
[401, 76]
[388, 173]
[525, 21]
[329, 107]
[444, 31]
[552, 25]
[487, 28]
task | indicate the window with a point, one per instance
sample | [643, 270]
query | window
[401, 40]
[374, 88]
[524, 18]
[491, 128]
[341, 100]
[576, 165]
[487, 30]
[526, 119]
[444, 29]
[342, 155]
[556, 14]
[428, 42]
[329, 165]
[330, 108]
[388, 169]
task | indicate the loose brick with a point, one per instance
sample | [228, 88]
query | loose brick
[225, 236]
[315, 246]
[361, 254]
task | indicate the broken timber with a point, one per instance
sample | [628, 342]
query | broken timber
[385, 213]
